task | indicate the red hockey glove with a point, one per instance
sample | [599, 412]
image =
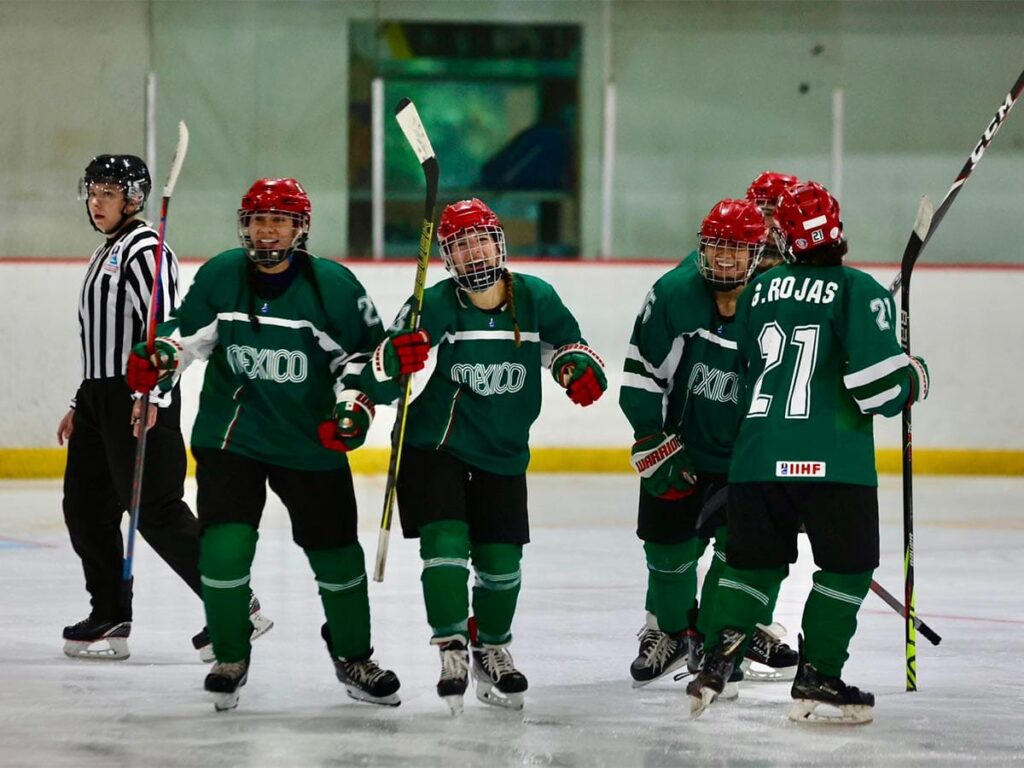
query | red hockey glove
[145, 371]
[665, 469]
[353, 415]
[580, 370]
[400, 355]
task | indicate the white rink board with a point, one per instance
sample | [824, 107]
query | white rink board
[963, 323]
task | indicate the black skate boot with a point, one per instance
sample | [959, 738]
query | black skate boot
[224, 681]
[716, 672]
[695, 651]
[776, 661]
[498, 682]
[362, 678]
[811, 689]
[454, 671]
[660, 653]
[112, 637]
[260, 626]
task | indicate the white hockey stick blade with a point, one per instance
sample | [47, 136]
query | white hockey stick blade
[382, 554]
[923, 223]
[409, 121]
[179, 158]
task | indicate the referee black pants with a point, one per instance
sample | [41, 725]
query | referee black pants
[97, 493]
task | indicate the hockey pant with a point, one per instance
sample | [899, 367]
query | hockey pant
[446, 552]
[226, 554]
[830, 613]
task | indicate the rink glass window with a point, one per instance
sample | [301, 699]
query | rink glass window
[501, 105]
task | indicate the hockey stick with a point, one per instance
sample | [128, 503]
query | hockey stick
[925, 226]
[409, 120]
[929, 633]
[154, 299]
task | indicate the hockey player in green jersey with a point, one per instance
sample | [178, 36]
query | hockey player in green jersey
[819, 359]
[765, 191]
[680, 392]
[285, 335]
[462, 483]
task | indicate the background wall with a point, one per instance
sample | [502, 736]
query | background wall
[709, 94]
[959, 323]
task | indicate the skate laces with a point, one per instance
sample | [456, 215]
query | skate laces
[232, 669]
[648, 637]
[658, 652]
[366, 671]
[454, 662]
[497, 661]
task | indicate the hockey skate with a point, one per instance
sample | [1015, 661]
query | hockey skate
[660, 653]
[110, 639]
[362, 678]
[811, 689]
[716, 673]
[498, 682]
[224, 681]
[768, 659]
[260, 626]
[454, 671]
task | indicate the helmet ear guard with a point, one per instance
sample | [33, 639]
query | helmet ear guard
[731, 228]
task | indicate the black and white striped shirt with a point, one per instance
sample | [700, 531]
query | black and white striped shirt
[113, 306]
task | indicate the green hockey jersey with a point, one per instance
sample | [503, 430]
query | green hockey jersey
[819, 357]
[680, 373]
[269, 384]
[479, 393]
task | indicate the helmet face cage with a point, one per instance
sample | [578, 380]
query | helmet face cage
[727, 264]
[265, 256]
[475, 256]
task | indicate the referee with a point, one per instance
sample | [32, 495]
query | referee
[113, 308]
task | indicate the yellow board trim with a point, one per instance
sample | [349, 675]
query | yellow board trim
[49, 462]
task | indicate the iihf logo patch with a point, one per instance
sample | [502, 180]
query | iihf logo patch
[800, 469]
[490, 323]
[265, 308]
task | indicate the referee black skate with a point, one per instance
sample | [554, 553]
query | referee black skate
[113, 308]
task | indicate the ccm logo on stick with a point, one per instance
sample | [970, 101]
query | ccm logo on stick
[799, 468]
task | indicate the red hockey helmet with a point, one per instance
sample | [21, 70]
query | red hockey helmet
[472, 243]
[807, 218]
[732, 237]
[280, 196]
[766, 188]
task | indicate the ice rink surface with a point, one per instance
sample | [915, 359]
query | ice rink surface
[575, 636]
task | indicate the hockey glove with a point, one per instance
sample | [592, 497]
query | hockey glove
[918, 379]
[665, 469]
[353, 415]
[146, 371]
[580, 370]
[400, 355]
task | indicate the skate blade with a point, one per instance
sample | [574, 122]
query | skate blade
[756, 672]
[806, 711]
[107, 649]
[701, 701]
[730, 692]
[391, 700]
[454, 704]
[493, 698]
[222, 702]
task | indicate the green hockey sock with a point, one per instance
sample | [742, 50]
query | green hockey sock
[226, 551]
[444, 549]
[341, 577]
[709, 590]
[672, 581]
[741, 599]
[495, 590]
[830, 618]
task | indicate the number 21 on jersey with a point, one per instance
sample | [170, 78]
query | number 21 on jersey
[774, 345]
